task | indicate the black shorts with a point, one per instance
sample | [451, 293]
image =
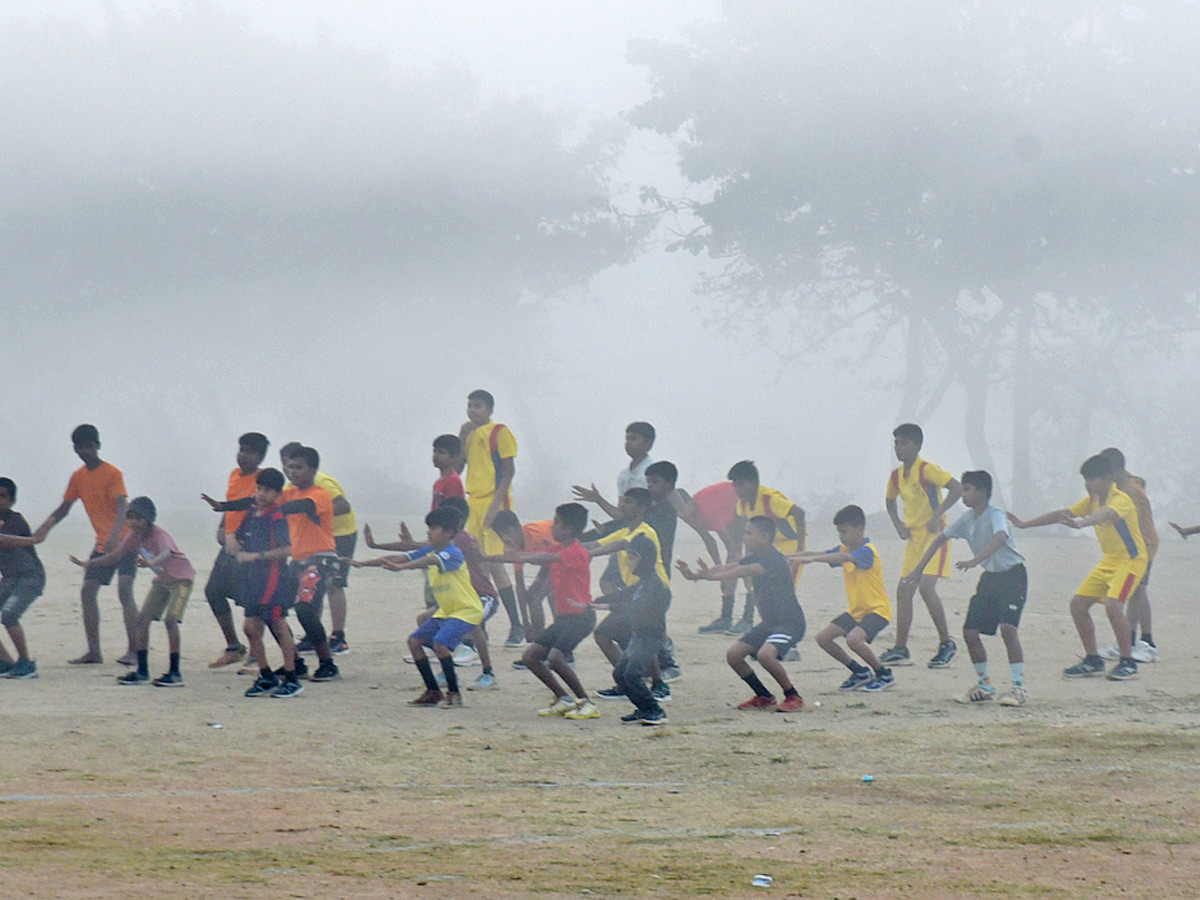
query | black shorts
[998, 600]
[257, 600]
[223, 580]
[126, 565]
[871, 624]
[567, 631]
[783, 635]
[618, 627]
[345, 547]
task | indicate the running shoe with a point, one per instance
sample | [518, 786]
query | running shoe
[613, 693]
[429, 698]
[632, 718]
[485, 682]
[134, 677]
[1145, 653]
[584, 709]
[326, 671]
[560, 707]
[287, 689]
[1123, 671]
[946, 652]
[976, 693]
[857, 680]
[520, 666]
[263, 686]
[6, 666]
[1088, 667]
[657, 717]
[453, 701]
[304, 645]
[897, 656]
[466, 655]
[1112, 653]
[338, 645]
[883, 681]
[661, 692]
[516, 637]
[170, 679]
[22, 668]
[758, 703]
[716, 626]
[1015, 697]
[671, 673]
[740, 627]
[790, 704]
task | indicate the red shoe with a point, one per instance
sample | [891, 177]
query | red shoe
[429, 698]
[791, 704]
[757, 702]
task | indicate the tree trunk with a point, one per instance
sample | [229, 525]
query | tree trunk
[1022, 412]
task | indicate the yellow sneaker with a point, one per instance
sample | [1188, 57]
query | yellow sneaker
[584, 709]
[560, 707]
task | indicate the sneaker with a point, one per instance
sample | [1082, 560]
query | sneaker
[857, 680]
[22, 668]
[884, 680]
[584, 709]
[757, 702]
[790, 704]
[1123, 671]
[946, 652]
[301, 669]
[1112, 654]
[632, 718]
[897, 656]
[613, 693]
[793, 655]
[134, 677]
[440, 677]
[171, 679]
[263, 686]
[1015, 697]
[229, 657]
[6, 666]
[485, 682]
[658, 717]
[520, 666]
[671, 673]
[326, 671]
[338, 645]
[305, 645]
[560, 707]
[1143, 652]
[661, 692]
[466, 655]
[1088, 667]
[516, 637]
[453, 701]
[429, 698]
[716, 626]
[740, 627]
[977, 693]
[287, 689]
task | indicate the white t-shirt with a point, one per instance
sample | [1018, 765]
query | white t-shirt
[632, 476]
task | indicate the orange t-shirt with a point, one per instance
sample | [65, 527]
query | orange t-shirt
[537, 538]
[99, 489]
[240, 487]
[307, 536]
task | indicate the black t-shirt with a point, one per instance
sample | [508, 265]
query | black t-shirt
[775, 589]
[18, 562]
[661, 516]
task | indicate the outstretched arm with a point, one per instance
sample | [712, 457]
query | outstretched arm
[591, 495]
[1054, 517]
[1184, 532]
[918, 570]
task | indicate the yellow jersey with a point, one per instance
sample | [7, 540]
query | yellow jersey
[1120, 540]
[920, 490]
[487, 446]
[778, 508]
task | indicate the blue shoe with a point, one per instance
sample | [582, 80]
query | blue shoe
[857, 680]
[883, 681]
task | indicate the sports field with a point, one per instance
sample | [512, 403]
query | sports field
[1090, 790]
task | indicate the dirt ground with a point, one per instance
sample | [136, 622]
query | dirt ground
[1089, 790]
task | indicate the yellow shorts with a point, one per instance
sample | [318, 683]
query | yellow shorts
[939, 566]
[169, 598]
[489, 541]
[1114, 579]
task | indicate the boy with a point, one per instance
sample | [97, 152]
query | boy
[101, 487]
[1144, 648]
[153, 549]
[533, 537]
[569, 571]
[1120, 570]
[646, 603]
[713, 510]
[490, 451]
[222, 585]
[869, 606]
[754, 499]
[447, 449]
[22, 580]
[782, 625]
[919, 484]
[1000, 596]
[260, 546]
[639, 439]
[459, 609]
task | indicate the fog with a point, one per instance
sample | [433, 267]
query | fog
[773, 230]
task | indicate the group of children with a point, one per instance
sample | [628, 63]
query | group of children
[287, 540]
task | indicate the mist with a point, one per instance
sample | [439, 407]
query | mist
[329, 223]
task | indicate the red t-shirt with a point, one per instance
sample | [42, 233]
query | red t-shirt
[449, 485]
[571, 578]
[716, 506]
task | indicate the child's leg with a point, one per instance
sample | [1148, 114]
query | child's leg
[856, 640]
[446, 656]
[129, 610]
[252, 627]
[558, 664]
[768, 657]
[905, 592]
[534, 658]
[736, 657]
[1138, 613]
[1081, 613]
[90, 609]
[827, 641]
[479, 636]
[975, 648]
[17, 633]
[608, 635]
[283, 634]
[173, 642]
[1115, 608]
[933, 603]
[416, 647]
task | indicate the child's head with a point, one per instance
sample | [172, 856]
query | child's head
[570, 520]
[760, 533]
[506, 524]
[8, 494]
[459, 505]
[86, 441]
[268, 485]
[977, 489]
[908, 441]
[301, 466]
[850, 523]
[633, 504]
[1097, 472]
[639, 438]
[446, 449]
[744, 476]
[1116, 459]
[140, 514]
[252, 450]
[443, 526]
[480, 405]
[643, 557]
[661, 478]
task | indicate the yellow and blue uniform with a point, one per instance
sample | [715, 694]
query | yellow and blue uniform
[920, 493]
[628, 576]
[450, 581]
[1123, 564]
[863, 574]
[778, 508]
[486, 448]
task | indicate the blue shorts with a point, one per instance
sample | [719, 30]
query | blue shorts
[447, 632]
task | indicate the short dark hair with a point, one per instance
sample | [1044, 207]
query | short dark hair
[1116, 457]
[764, 525]
[143, 508]
[443, 517]
[978, 479]
[505, 520]
[85, 434]
[743, 471]
[484, 396]
[288, 450]
[459, 505]
[254, 442]
[640, 496]
[644, 430]
[272, 479]
[664, 470]
[448, 442]
[910, 432]
[573, 515]
[309, 455]
[1096, 467]
[850, 515]
[9, 485]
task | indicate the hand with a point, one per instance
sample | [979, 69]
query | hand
[963, 564]
[912, 578]
[934, 525]
[245, 557]
[79, 562]
[1012, 518]
[902, 530]
[368, 538]
[1183, 532]
[1065, 518]
[586, 494]
[215, 504]
[684, 570]
[391, 566]
[405, 534]
[143, 563]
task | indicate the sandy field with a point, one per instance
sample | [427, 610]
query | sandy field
[1090, 790]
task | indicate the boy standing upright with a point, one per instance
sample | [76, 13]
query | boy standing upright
[101, 487]
[639, 439]
[22, 580]
[919, 485]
